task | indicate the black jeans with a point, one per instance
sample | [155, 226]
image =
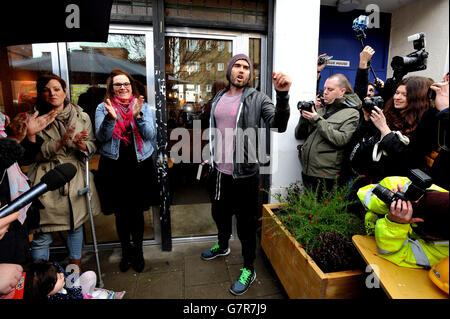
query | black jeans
[237, 197]
[320, 183]
[130, 223]
[14, 246]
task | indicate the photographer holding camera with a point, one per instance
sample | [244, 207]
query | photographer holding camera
[408, 228]
[326, 131]
[384, 136]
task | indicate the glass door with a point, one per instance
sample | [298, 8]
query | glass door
[21, 66]
[196, 65]
[195, 72]
[88, 66]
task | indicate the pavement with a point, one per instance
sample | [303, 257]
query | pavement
[182, 274]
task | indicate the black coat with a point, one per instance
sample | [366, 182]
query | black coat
[398, 160]
[254, 108]
[431, 136]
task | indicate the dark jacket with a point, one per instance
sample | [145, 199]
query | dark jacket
[254, 107]
[431, 147]
[361, 82]
[327, 135]
[397, 158]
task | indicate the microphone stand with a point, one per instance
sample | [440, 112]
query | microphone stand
[360, 35]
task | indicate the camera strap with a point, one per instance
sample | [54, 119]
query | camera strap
[327, 115]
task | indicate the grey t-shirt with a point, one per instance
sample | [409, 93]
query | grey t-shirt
[225, 115]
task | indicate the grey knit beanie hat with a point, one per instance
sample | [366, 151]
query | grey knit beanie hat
[233, 61]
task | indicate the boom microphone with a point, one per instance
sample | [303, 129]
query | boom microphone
[52, 180]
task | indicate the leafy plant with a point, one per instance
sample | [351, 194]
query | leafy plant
[321, 224]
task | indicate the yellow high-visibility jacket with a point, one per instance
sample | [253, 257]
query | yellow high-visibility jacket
[397, 242]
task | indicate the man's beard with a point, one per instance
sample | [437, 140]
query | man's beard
[239, 86]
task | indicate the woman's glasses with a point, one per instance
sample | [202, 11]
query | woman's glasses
[119, 85]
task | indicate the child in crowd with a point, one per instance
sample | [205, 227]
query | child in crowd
[49, 280]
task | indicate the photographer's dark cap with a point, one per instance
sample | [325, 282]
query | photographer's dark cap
[233, 60]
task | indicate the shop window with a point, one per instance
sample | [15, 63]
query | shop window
[188, 103]
[255, 57]
[21, 66]
[90, 64]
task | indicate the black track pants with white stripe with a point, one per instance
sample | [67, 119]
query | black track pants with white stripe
[239, 197]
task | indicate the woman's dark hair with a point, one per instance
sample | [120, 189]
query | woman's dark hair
[109, 83]
[42, 81]
[406, 120]
[40, 279]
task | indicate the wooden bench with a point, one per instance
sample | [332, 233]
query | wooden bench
[397, 282]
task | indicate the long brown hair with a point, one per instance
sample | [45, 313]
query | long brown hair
[109, 83]
[406, 120]
[40, 280]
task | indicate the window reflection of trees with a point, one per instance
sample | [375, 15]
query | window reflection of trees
[191, 73]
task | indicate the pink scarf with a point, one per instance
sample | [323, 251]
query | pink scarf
[123, 108]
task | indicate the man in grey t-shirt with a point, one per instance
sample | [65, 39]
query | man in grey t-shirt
[234, 174]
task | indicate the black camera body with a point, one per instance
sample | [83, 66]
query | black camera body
[369, 104]
[419, 183]
[431, 94]
[416, 61]
[305, 105]
[320, 94]
[324, 59]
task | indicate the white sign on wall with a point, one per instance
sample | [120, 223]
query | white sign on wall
[342, 63]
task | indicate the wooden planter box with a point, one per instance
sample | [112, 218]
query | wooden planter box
[298, 273]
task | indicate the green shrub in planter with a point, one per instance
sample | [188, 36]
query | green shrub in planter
[322, 227]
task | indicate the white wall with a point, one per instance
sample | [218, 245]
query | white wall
[426, 16]
[296, 42]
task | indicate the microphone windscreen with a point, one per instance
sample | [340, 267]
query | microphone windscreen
[59, 176]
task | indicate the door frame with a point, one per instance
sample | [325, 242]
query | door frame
[241, 42]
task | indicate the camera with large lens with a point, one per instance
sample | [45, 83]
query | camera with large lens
[415, 61]
[419, 183]
[305, 105]
[369, 104]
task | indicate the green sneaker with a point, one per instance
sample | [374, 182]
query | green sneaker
[214, 252]
[241, 285]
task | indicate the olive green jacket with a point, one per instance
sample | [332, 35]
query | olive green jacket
[322, 153]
